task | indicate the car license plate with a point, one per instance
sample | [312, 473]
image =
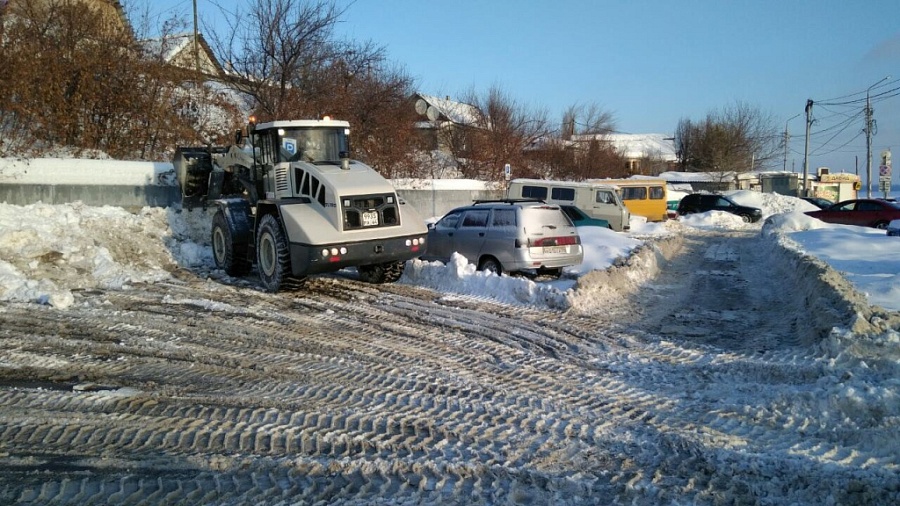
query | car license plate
[370, 219]
[555, 249]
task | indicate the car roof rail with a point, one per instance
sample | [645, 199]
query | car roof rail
[508, 201]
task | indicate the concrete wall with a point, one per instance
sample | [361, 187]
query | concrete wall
[427, 202]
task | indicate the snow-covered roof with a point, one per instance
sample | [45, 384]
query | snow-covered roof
[697, 177]
[445, 109]
[636, 146]
[170, 47]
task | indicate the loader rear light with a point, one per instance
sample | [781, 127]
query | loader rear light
[333, 254]
[415, 243]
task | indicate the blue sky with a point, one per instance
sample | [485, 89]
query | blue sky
[652, 63]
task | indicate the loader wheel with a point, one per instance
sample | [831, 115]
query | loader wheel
[273, 258]
[381, 273]
[228, 256]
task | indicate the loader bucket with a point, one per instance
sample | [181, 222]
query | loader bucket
[193, 166]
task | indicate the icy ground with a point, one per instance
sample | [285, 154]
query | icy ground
[838, 430]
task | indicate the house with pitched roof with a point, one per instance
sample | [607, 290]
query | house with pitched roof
[111, 10]
[179, 50]
[644, 154]
[444, 121]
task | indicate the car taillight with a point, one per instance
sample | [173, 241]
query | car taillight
[554, 241]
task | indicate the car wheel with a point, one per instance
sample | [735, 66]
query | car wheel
[230, 257]
[881, 225]
[490, 264]
[745, 218]
[273, 258]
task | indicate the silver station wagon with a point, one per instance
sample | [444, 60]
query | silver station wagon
[513, 236]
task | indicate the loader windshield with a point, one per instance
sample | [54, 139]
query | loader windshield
[315, 145]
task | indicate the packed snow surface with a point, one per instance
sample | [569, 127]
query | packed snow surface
[48, 252]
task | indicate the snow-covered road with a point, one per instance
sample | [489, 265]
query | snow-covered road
[742, 374]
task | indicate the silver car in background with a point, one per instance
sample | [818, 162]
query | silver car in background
[513, 236]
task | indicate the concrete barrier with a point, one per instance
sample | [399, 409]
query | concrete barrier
[133, 185]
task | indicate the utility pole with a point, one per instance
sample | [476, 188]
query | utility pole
[196, 44]
[868, 148]
[809, 106]
[787, 140]
[869, 124]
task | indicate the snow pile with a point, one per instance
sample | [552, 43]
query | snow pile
[793, 221]
[714, 220]
[48, 251]
[460, 277]
[771, 203]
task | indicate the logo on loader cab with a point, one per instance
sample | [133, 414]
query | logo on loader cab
[289, 145]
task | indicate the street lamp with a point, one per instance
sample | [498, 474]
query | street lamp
[787, 138]
[869, 139]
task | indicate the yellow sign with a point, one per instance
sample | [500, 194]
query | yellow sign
[839, 178]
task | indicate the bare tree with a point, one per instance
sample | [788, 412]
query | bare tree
[583, 150]
[284, 55]
[737, 139]
[504, 131]
[74, 78]
[274, 50]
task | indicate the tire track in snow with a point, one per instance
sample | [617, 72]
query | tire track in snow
[346, 393]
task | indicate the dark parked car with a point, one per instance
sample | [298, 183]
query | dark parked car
[819, 202]
[862, 212]
[582, 219]
[703, 202]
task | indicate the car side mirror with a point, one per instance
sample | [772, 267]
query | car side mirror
[431, 226]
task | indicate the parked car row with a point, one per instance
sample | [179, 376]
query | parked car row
[532, 237]
[877, 213]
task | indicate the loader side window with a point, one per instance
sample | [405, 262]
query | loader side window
[299, 174]
[267, 149]
[304, 186]
[314, 186]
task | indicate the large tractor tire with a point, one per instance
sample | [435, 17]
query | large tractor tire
[381, 273]
[230, 257]
[273, 256]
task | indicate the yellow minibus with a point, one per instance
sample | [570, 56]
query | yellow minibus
[643, 197]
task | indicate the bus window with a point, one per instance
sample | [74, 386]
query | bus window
[634, 193]
[534, 192]
[657, 193]
[567, 194]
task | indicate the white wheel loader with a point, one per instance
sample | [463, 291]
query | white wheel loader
[290, 200]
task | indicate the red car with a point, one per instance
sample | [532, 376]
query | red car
[875, 213]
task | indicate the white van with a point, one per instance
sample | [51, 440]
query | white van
[596, 199]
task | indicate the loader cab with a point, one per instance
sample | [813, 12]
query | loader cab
[311, 141]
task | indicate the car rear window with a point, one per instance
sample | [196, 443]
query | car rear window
[545, 216]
